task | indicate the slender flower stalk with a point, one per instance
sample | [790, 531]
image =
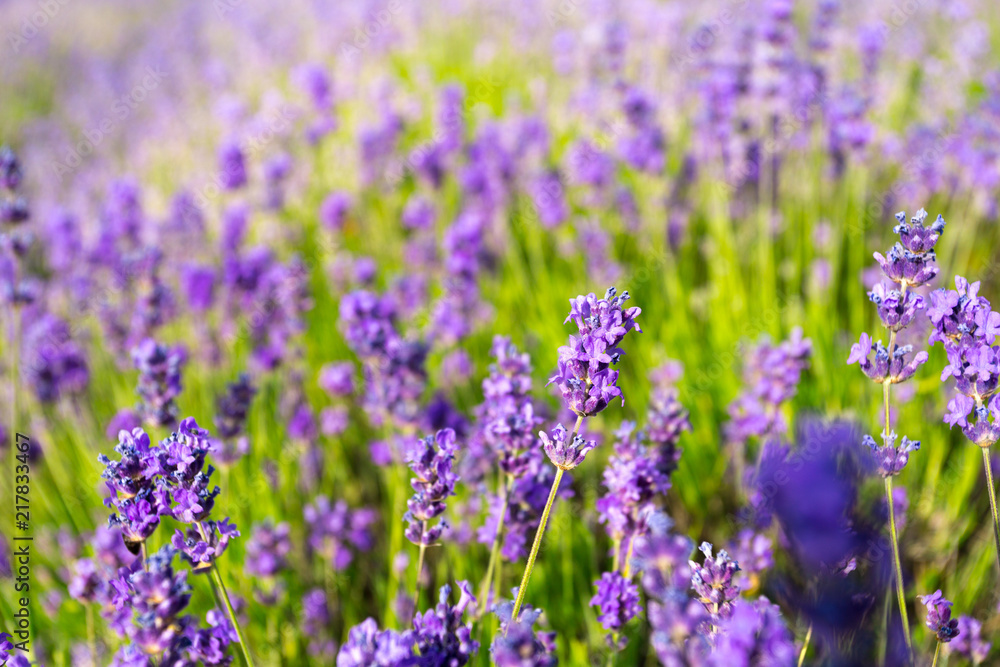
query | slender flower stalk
[987, 466]
[484, 589]
[519, 600]
[220, 586]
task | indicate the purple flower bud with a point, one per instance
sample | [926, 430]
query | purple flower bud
[562, 454]
[431, 460]
[618, 601]
[159, 380]
[516, 644]
[232, 166]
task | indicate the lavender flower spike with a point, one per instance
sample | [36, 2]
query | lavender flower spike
[939, 616]
[713, 581]
[584, 375]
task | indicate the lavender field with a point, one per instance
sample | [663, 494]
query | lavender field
[428, 334]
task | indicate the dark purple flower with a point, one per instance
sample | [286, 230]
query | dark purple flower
[337, 532]
[754, 634]
[911, 262]
[939, 618]
[232, 166]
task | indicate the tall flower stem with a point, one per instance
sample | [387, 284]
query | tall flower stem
[937, 650]
[484, 589]
[224, 595]
[540, 532]
[901, 598]
[993, 500]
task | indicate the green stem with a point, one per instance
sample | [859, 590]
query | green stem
[900, 596]
[91, 634]
[224, 595]
[219, 588]
[805, 645]
[993, 500]
[537, 543]
[541, 531]
[484, 589]
[937, 650]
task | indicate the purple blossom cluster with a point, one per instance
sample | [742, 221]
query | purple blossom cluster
[617, 599]
[158, 596]
[393, 366]
[438, 637]
[431, 460]
[159, 381]
[939, 620]
[518, 644]
[713, 582]
[771, 375]
[336, 532]
[231, 411]
[966, 325]
[585, 377]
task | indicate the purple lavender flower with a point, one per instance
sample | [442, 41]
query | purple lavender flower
[232, 166]
[968, 642]
[634, 483]
[939, 618]
[431, 461]
[334, 529]
[233, 407]
[882, 368]
[584, 374]
[159, 380]
[911, 261]
[889, 459]
[565, 455]
[201, 545]
[516, 644]
[138, 501]
[507, 418]
[617, 599]
[316, 625]
[267, 549]
[367, 646]
[666, 420]
[439, 634]
[337, 379]
[771, 376]
[753, 634]
[713, 582]
[334, 208]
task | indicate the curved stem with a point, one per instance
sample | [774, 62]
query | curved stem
[540, 532]
[219, 588]
[484, 589]
[224, 594]
[534, 547]
[805, 645]
[900, 596]
[993, 500]
[937, 650]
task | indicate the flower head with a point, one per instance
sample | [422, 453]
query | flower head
[939, 618]
[584, 375]
[713, 581]
[562, 454]
[890, 459]
[617, 599]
